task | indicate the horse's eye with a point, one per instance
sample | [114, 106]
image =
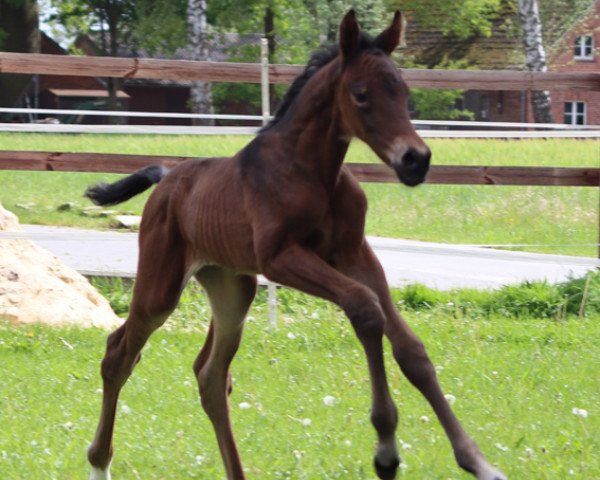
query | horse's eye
[360, 98]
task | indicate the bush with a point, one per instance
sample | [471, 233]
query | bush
[576, 296]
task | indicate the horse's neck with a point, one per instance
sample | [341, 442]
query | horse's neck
[315, 131]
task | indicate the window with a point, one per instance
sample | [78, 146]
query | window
[584, 47]
[575, 113]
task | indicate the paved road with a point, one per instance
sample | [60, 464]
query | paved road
[436, 265]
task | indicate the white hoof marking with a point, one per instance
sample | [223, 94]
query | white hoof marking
[98, 474]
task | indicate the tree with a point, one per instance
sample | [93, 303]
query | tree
[464, 20]
[111, 19]
[200, 92]
[19, 32]
[535, 57]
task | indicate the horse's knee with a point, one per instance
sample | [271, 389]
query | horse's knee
[363, 309]
[211, 398]
[120, 358]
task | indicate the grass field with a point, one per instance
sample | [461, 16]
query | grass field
[516, 380]
[564, 218]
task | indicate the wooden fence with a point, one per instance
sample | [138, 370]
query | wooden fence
[365, 172]
[251, 73]
[35, 63]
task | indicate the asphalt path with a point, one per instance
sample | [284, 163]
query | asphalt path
[436, 265]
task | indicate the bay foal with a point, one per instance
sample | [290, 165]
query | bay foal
[284, 206]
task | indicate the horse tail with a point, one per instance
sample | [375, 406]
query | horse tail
[126, 188]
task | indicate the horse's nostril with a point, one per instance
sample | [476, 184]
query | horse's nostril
[413, 166]
[415, 159]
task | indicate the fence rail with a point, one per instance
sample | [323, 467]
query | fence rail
[365, 172]
[206, 130]
[186, 70]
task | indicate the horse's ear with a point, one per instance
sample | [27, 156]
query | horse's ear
[391, 37]
[349, 35]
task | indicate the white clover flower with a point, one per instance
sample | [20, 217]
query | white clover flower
[504, 448]
[579, 412]
[451, 399]
[307, 422]
[406, 446]
[424, 419]
[187, 383]
[298, 454]
[328, 400]
[529, 452]
[126, 409]
[68, 426]
[348, 443]
[200, 459]
[291, 336]
[244, 406]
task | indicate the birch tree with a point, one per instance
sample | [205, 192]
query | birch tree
[200, 92]
[535, 57]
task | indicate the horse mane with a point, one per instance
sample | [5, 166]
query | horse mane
[318, 59]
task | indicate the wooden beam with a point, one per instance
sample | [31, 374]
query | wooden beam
[45, 64]
[365, 172]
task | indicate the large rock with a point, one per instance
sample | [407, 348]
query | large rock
[35, 286]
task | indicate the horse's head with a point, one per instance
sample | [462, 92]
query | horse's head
[373, 100]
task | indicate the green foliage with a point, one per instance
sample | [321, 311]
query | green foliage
[432, 104]
[169, 15]
[576, 297]
[3, 37]
[464, 20]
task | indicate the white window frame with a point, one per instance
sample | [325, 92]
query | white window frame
[584, 47]
[573, 114]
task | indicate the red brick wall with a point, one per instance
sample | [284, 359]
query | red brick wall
[563, 60]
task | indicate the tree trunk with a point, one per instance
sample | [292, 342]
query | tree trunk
[535, 57]
[113, 83]
[269, 21]
[20, 33]
[200, 92]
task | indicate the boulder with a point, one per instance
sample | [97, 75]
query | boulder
[35, 286]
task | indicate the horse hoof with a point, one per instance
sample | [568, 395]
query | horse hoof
[386, 472]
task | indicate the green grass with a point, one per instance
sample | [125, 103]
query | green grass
[516, 380]
[562, 217]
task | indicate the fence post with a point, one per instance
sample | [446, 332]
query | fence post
[264, 90]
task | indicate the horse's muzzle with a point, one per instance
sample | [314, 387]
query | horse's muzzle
[413, 166]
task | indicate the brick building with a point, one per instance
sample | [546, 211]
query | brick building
[578, 51]
[572, 45]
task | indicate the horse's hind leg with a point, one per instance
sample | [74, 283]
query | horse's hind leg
[230, 297]
[161, 275]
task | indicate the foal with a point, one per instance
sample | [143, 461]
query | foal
[286, 207]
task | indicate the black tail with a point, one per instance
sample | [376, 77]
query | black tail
[124, 189]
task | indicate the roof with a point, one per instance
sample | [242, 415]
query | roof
[70, 92]
[503, 49]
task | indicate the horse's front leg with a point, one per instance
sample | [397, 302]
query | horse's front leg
[413, 360]
[302, 269]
